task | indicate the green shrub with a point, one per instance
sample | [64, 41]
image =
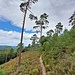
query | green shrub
[46, 46]
[47, 68]
[2, 72]
[34, 72]
[73, 55]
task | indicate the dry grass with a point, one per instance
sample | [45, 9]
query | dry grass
[29, 65]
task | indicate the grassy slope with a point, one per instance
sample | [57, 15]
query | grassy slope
[29, 65]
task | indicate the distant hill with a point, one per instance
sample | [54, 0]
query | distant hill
[3, 46]
[14, 47]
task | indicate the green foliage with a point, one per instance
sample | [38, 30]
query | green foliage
[72, 20]
[46, 46]
[2, 57]
[59, 53]
[27, 4]
[34, 72]
[40, 23]
[59, 27]
[34, 39]
[42, 40]
[6, 55]
[73, 54]
[2, 72]
[49, 33]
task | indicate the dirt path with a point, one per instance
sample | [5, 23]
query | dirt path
[42, 66]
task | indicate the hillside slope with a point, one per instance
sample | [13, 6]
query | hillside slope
[30, 64]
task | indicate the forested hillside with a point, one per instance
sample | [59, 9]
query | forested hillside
[51, 52]
[58, 53]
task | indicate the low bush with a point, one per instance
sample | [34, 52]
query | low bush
[2, 72]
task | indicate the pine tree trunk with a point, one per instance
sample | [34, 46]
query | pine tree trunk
[19, 60]
[41, 31]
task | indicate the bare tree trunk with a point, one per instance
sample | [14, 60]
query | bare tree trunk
[40, 31]
[6, 57]
[19, 60]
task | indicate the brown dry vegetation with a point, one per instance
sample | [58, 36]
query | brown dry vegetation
[30, 64]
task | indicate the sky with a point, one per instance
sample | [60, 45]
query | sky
[11, 18]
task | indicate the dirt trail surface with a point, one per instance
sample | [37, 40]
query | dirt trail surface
[42, 66]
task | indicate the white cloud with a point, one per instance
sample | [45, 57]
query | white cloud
[58, 11]
[10, 11]
[13, 38]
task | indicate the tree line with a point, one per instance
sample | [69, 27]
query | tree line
[8, 53]
[51, 33]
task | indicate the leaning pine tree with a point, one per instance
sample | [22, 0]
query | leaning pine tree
[24, 6]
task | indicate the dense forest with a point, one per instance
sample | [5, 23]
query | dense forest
[57, 49]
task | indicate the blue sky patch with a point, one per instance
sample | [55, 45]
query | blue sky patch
[8, 26]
